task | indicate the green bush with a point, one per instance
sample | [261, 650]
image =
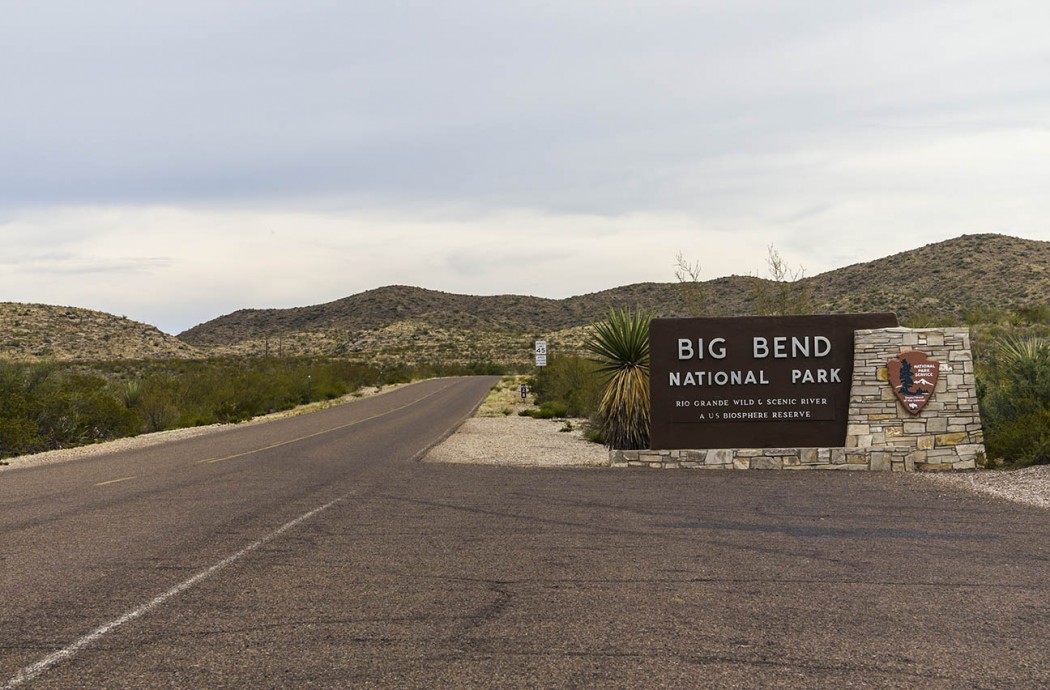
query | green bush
[552, 409]
[47, 406]
[1014, 392]
[573, 382]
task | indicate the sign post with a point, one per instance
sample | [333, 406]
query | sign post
[541, 353]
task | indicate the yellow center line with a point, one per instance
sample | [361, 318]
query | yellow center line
[114, 481]
[317, 433]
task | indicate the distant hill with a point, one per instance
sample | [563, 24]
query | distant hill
[943, 281]
[40, 331]
[946, 280]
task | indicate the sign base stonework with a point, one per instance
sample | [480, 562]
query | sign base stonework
[881, 434]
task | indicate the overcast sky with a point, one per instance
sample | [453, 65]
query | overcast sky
[174, 161]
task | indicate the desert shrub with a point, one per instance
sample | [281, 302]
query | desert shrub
[46, 406]
[552, 409]
[573, 382]
[1014, 392]
[43, 406]
[1033, 314]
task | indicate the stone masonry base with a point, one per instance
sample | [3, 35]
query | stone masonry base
[895, 459]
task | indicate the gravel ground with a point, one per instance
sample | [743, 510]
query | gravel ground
[519, 441]
[1030, 485]
[524, 441]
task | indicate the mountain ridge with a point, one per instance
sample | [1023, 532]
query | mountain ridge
[949, 280]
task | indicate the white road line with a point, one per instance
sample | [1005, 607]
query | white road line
[30, 672]
[115, 481]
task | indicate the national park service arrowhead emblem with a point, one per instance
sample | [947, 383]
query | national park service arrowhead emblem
[913, 376]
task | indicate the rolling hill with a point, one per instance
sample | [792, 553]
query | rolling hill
[947, 280]
[951, 280]
[40, 331]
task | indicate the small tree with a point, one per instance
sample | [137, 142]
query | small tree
[690, 286]
[784, 292]
[620, 347]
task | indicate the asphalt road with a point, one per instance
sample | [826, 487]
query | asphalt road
[317, 552]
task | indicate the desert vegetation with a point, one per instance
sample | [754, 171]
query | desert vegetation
[45, 406]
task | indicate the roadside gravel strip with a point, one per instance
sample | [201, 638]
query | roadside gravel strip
[520, 441]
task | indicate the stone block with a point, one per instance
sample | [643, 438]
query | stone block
[951, 439]
[858, 458]
[838, 456]
[857, 429]
[936, 425]
[879, 462]
[766, 463]
[741, 463]
[914, 428]
[723, 456]
[808, 455]
[926, 442]
[694, 455]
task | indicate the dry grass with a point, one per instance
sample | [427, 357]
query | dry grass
[504, 399]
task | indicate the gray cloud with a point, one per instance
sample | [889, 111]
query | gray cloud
[632, 130]
[593, 107]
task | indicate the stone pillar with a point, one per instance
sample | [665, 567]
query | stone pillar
[946, 434]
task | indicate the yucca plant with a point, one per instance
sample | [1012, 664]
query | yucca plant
[1015, 350]
[620, 347]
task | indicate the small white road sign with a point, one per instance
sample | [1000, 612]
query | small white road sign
[541, 353]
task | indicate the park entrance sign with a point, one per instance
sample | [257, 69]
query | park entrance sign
[753, 382]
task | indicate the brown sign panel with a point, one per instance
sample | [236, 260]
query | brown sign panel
[913, 376]
[753, 382]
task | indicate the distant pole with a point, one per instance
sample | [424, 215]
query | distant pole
[309, 388]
